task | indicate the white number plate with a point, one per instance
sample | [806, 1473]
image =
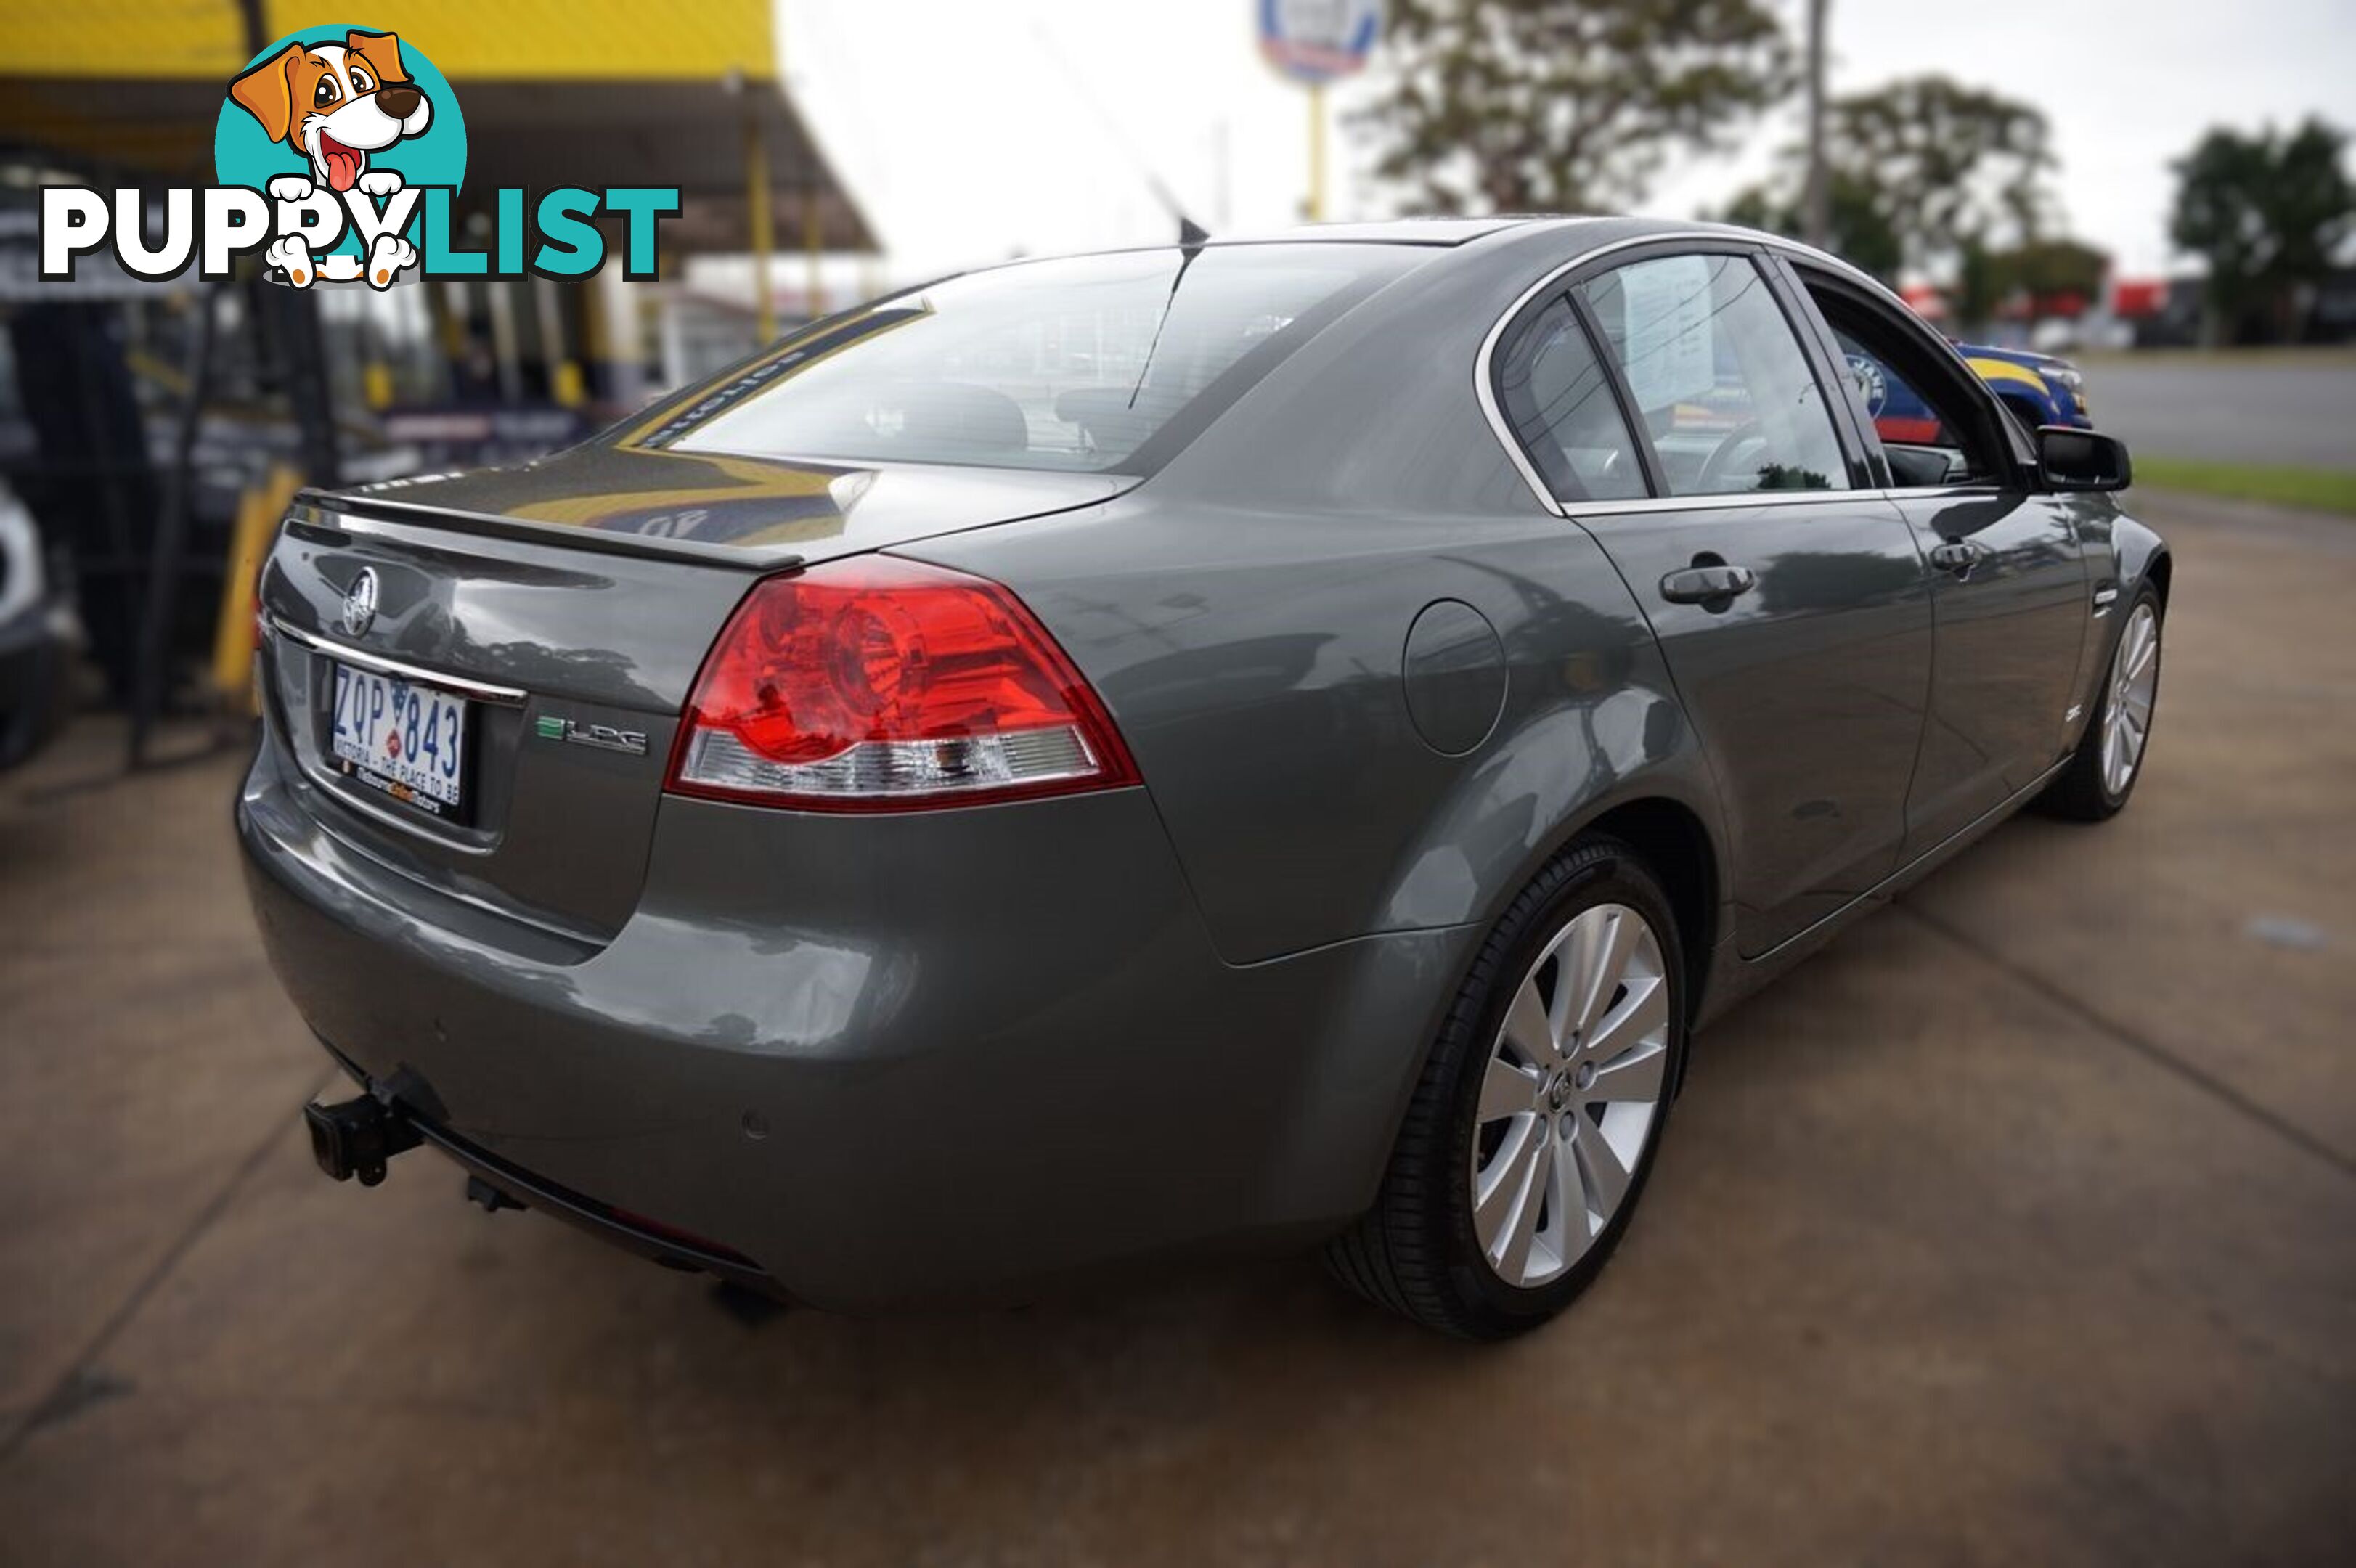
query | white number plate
[407, 740]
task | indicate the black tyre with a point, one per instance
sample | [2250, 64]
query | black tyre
[1533, 1129]
[2103, 771]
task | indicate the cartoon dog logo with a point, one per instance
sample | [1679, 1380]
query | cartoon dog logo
[335, 104]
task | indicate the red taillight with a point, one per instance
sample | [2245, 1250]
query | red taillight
[880, 684]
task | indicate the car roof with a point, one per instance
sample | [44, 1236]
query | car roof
[1442, 234]
[1448, 232]
[1387, 231]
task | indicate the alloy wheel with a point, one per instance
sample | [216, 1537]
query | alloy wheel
[2135, 683]
[1571, 1092]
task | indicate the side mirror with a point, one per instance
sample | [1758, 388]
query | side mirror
[2070, 459]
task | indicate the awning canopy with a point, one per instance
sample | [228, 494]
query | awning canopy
[587, 92]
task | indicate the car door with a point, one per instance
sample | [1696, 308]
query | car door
[2008, 580]
[1788, 598]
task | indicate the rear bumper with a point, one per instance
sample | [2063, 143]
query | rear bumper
[891, 1060]
[408, 1128]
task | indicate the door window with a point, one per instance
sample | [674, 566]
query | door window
[1931, 428]
[1559, 403]
[1718, 380]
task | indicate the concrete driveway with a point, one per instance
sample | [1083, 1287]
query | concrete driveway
[2018, 1228]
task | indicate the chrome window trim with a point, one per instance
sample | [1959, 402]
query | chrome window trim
[1730, 500]
[1486, 393]
[480, 690]
[1977, 490]
[1481, 379]
[1743, 499]
[1504, 432]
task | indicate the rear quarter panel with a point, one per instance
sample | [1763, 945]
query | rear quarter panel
[1253, 663]
[1246, 613]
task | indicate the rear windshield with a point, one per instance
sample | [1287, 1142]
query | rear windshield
[1093, 363]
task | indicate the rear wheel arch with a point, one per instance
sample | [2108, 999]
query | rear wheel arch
[1673, 842]
[1417, 1249]
[1669, 837]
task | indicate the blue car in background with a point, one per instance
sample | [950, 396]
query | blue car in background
[2036, 388]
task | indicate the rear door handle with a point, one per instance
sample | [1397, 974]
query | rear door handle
[1708, 584]
[1959, 555]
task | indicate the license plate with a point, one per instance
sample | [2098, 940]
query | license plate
[405, 739]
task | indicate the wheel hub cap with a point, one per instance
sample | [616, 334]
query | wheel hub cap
[1570, 1095]
[2134, 686]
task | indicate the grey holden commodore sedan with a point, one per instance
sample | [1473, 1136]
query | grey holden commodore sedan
[1252, 743]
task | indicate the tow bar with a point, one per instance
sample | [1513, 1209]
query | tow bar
[355, 1137]
[359, 1136]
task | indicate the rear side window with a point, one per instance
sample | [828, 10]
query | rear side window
[1070, 363]
[1718, 380]
[1559, 403]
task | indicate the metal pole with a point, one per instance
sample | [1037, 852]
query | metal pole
[756, 214]
[300, 341]
[813, 246]
[1816, 219]
[1316, 152]
[506, 352]
[151, 677]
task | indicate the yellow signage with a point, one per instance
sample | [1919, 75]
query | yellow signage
[508, 40]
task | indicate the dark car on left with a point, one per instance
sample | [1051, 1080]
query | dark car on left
[38, 636]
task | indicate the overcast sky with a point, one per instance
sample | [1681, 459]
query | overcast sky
[973, 131]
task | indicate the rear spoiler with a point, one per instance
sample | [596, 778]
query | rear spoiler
[355, 513]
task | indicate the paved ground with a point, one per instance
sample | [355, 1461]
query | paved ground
[2236, 410]
[2019, 1227]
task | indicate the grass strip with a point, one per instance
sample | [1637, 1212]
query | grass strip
[2317, 489]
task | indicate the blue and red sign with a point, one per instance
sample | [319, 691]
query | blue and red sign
[1318, 41]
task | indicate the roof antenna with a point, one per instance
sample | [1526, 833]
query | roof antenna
[1187, 252]
[1192, 236]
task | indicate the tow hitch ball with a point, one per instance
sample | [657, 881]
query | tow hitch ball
[356, 1137]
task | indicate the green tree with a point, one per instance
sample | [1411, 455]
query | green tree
[1858, 230]
[2043, 268]
[1926, 172]
[1956, 165]
[2268, 213]
[1567, 105]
